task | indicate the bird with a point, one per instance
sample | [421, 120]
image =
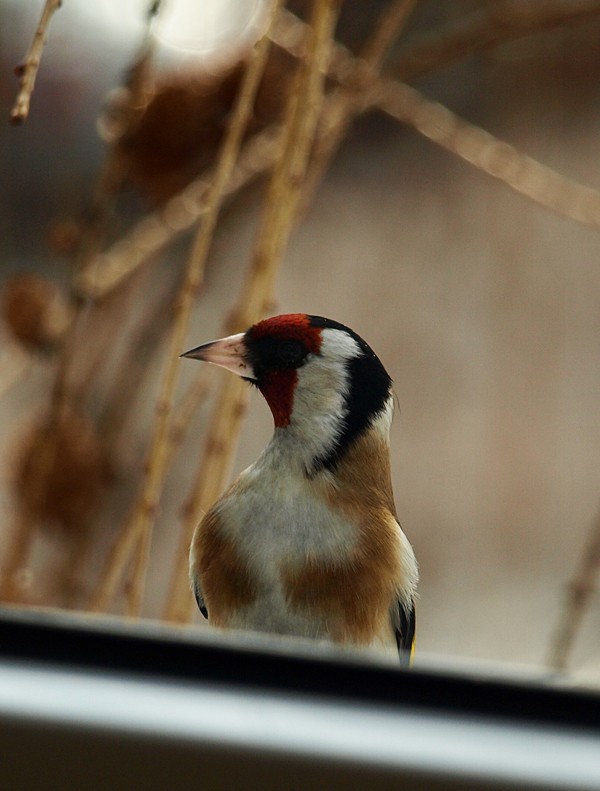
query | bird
[306, 540]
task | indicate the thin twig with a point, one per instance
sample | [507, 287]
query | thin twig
[62, 392]
[123, 548]
[343, 104]
[290, 33]
[285, 187]
[137, 529]
[113, 172]
[15, 363]
[501, 22]
[524, 174]
[144, 340]
[27, 71]
[499, 159]
[279, 214]
[577, 598]
[193, 398]
[155, 231]
[108, 181]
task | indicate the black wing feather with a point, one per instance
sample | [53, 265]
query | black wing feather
[199, 598]
[405, 623]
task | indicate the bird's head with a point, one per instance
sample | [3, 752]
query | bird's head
[323, 383]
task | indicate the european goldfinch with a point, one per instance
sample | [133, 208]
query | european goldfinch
[306, 541]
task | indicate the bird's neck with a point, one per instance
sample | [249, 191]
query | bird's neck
[315, 440]
[294, 449]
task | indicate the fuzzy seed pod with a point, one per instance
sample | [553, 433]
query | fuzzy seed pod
[179, 133]
[63, 236]
[34, 311]
[75, 471]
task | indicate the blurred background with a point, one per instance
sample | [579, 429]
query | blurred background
[483, 305]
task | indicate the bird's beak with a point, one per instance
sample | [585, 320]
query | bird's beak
[229, 353]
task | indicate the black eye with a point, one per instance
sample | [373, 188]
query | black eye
[290, 353]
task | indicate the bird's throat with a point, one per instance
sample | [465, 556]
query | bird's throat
[278, 390]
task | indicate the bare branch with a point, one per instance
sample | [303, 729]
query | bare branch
[197, 392]
[156, 230]
[501, 22]
[27, 71]
[153, 232]
[341, 105]
[495, 157]
[63, 391]
[577, 598]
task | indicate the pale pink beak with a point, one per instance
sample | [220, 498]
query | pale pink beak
[229, 353]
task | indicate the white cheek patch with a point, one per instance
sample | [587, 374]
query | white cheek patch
[336, 345]
[319, 407]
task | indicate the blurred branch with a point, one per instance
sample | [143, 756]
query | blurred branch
[154, 232]
[136, 532]
[280, 209]
[195, 395]
[341, 104]
[62, 393]
[151, 234]
[152, 326]
[108, 182]
[577, 598]
[27, 71]
[184, 210]
[112, 172]
[501, 22]
[522, 173]
[290, 32]
[15, 362]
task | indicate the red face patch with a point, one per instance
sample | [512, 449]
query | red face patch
[278, 390]
[278, 384]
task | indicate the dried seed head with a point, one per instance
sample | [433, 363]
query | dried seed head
[62, 477]
[179, 132]
[34, 311]
[63, 236]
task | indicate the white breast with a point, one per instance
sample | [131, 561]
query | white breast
[276, 514]
[276, 518]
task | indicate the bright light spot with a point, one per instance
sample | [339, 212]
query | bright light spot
[210, 27]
